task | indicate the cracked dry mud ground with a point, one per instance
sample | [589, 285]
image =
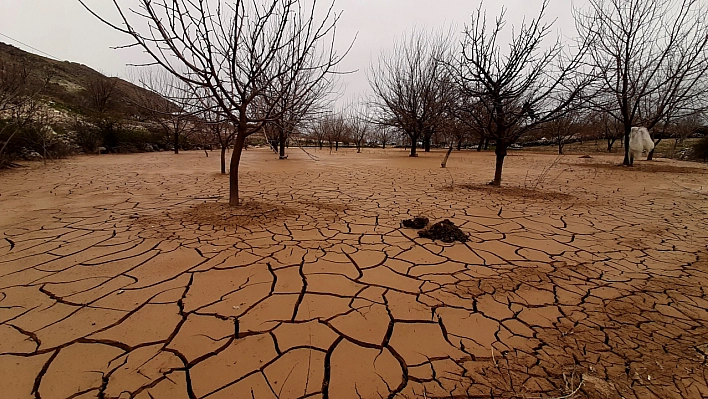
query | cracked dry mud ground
[124, 276]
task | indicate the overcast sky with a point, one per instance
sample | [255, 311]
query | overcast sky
[65, 30]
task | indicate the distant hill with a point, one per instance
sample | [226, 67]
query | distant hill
[72, 85]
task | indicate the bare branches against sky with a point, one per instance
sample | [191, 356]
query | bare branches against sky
[64, 29]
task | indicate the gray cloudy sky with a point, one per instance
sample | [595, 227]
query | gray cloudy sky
[63, 29]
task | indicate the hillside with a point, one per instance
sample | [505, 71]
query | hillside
[72, 85]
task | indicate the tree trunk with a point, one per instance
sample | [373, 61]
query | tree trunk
[501, 153]
[426, 143]
[383, 145]
[414, 143]
[233, 171]
[479, 146]
[486, 143]
[459, 145]
[223, 159]
[449, 150]
[282, 138]
[626, 161]
[560, 147]
[650, 156]
[176, 142]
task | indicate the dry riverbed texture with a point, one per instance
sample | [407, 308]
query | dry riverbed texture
[127, 276]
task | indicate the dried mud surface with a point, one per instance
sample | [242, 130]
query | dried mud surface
[650, 167]
[126, 276]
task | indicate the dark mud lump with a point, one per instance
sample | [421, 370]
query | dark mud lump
[445, 231]
[416, 223]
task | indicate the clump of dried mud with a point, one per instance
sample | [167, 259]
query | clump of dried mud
[417, 222]
[519, 192]
[445, 231]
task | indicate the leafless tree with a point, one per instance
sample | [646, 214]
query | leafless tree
[335, 128]
[317, 132]
[99, 91]
[219, 129]
[468, 112]
[383, 135]
[678, 117]
[565, 128]
[650, 58]
[18, 105]
[515, 91]
[608, 127]
[170, 103]
[678, 129]
[359, 123]
[14, 84]
[297, 98]
[235, 53]
[687, 126]
[411, 86]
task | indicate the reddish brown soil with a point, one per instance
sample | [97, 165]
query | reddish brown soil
[127, 276]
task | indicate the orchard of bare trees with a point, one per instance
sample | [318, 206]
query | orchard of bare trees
[242, 68]
[633, 63]
[251, 59]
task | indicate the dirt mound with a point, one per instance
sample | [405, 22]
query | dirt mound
[215, 215]
[445, 231]
[418, 222]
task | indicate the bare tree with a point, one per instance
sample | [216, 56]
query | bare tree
[99, 91]
[18, 91]
[612, 129]
[411, 87]
[650, 58]
[358, 123]
[219, 129]
[687, 126]
[565, 128]
[317, 132]
[235, 53]
[678, 129]
[170, 103]
[14, 84]
[335, 128]
[297, 98]
[517, 90]
[468, 112]
[383, 135]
